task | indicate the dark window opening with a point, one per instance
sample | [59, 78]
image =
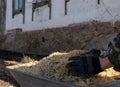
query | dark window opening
[18, 7]
[98, 1]
[41, 3]
[66, 2]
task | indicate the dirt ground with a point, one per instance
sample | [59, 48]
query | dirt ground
[6, 80]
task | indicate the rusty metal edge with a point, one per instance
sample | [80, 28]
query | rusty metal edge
[13, 71]
[112, 84]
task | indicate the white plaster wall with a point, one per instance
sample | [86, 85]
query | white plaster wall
[16, 22]
[41, 14]
[28, 13]
[78, 11]
[109, 10]
[9, 14]
[58, 7]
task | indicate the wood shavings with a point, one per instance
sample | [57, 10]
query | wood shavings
[54, 67]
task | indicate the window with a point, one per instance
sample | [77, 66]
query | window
[37, 1]
[40, 3]
[18, 7]
[66, 2]
[2, 16]
[98, 1]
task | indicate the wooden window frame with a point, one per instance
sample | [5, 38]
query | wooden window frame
[40, 4]
[98, 2]
[66, 2]
[20, 10]
[2, 17]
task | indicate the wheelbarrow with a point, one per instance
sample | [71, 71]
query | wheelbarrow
[26, 79]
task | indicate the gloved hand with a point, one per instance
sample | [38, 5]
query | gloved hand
[114, 52]
[116, 42]
[87, 63]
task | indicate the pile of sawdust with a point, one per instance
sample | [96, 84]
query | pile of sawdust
[54, 67]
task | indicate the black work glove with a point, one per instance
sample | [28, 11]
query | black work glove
[114, 52]
[116, 42]
[87, 63]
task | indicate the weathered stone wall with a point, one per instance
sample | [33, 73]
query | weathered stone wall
[76, 36]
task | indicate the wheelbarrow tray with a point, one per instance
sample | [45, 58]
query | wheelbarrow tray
[26, 79]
